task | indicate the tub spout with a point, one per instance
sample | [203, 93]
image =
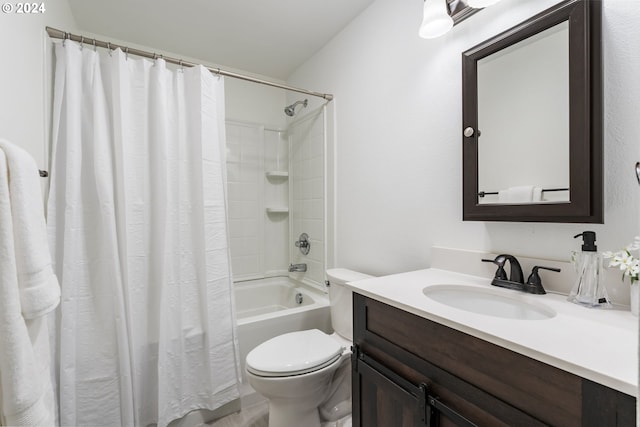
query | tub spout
[297, 268]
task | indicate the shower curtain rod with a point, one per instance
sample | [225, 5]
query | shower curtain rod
[59, 34]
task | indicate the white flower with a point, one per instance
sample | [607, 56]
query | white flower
[627, 263]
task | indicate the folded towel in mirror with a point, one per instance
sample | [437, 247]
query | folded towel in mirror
[537, 194]
[520, 194]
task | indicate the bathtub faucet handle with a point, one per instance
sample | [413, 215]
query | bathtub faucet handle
[303, 243]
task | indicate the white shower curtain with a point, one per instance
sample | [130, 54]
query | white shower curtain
[137, 225]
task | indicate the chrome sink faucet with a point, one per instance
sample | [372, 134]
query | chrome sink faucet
[516, 278]
[301, 268]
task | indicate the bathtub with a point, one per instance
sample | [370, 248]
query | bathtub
[266, 308]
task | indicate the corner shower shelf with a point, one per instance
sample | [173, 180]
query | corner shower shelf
[278, 174]
[278, 210]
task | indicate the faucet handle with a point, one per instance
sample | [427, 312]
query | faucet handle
[303, 243]
[499, 261]
[535, 281]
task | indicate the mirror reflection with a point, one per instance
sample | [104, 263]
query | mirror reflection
[523, 121]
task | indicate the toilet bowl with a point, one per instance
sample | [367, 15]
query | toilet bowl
[306, 375]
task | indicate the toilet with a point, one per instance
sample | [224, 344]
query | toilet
[306, 375]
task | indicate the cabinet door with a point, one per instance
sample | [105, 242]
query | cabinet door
[384, 398]
[384, 402]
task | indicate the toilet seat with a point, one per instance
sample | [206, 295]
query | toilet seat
[295, 353]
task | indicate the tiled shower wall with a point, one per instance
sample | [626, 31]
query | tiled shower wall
[258, 239]
[244, 163]
[307, 141]
[265, 218]
[276, 196]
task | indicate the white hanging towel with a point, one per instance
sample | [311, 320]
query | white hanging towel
[28, 290]
[39, 289]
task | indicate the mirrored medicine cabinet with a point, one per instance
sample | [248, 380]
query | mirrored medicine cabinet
[532, 120]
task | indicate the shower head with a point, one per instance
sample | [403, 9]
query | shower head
[291, 109]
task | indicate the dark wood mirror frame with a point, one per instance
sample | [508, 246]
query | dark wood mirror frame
[585, 118]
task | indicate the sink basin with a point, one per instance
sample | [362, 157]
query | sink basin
[490, 302]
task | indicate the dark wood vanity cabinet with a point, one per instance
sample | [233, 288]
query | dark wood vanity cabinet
[409, 371]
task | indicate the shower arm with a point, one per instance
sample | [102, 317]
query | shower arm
[290, 110]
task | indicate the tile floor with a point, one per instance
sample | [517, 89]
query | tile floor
[256, 415]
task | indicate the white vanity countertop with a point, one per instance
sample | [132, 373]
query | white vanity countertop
[597, 344]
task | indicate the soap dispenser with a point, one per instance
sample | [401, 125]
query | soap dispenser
[588, 289]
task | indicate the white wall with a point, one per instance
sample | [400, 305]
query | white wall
[254, 103]
[398, 126]
[25, 76]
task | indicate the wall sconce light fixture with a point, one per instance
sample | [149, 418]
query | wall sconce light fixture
[439, 16]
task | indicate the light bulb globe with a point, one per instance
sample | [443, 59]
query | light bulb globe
[436, 20]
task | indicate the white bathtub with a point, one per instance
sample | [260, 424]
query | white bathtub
[266, 308]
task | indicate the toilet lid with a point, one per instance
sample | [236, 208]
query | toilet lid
[294, 353]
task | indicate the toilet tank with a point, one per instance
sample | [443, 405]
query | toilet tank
[342, 299]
